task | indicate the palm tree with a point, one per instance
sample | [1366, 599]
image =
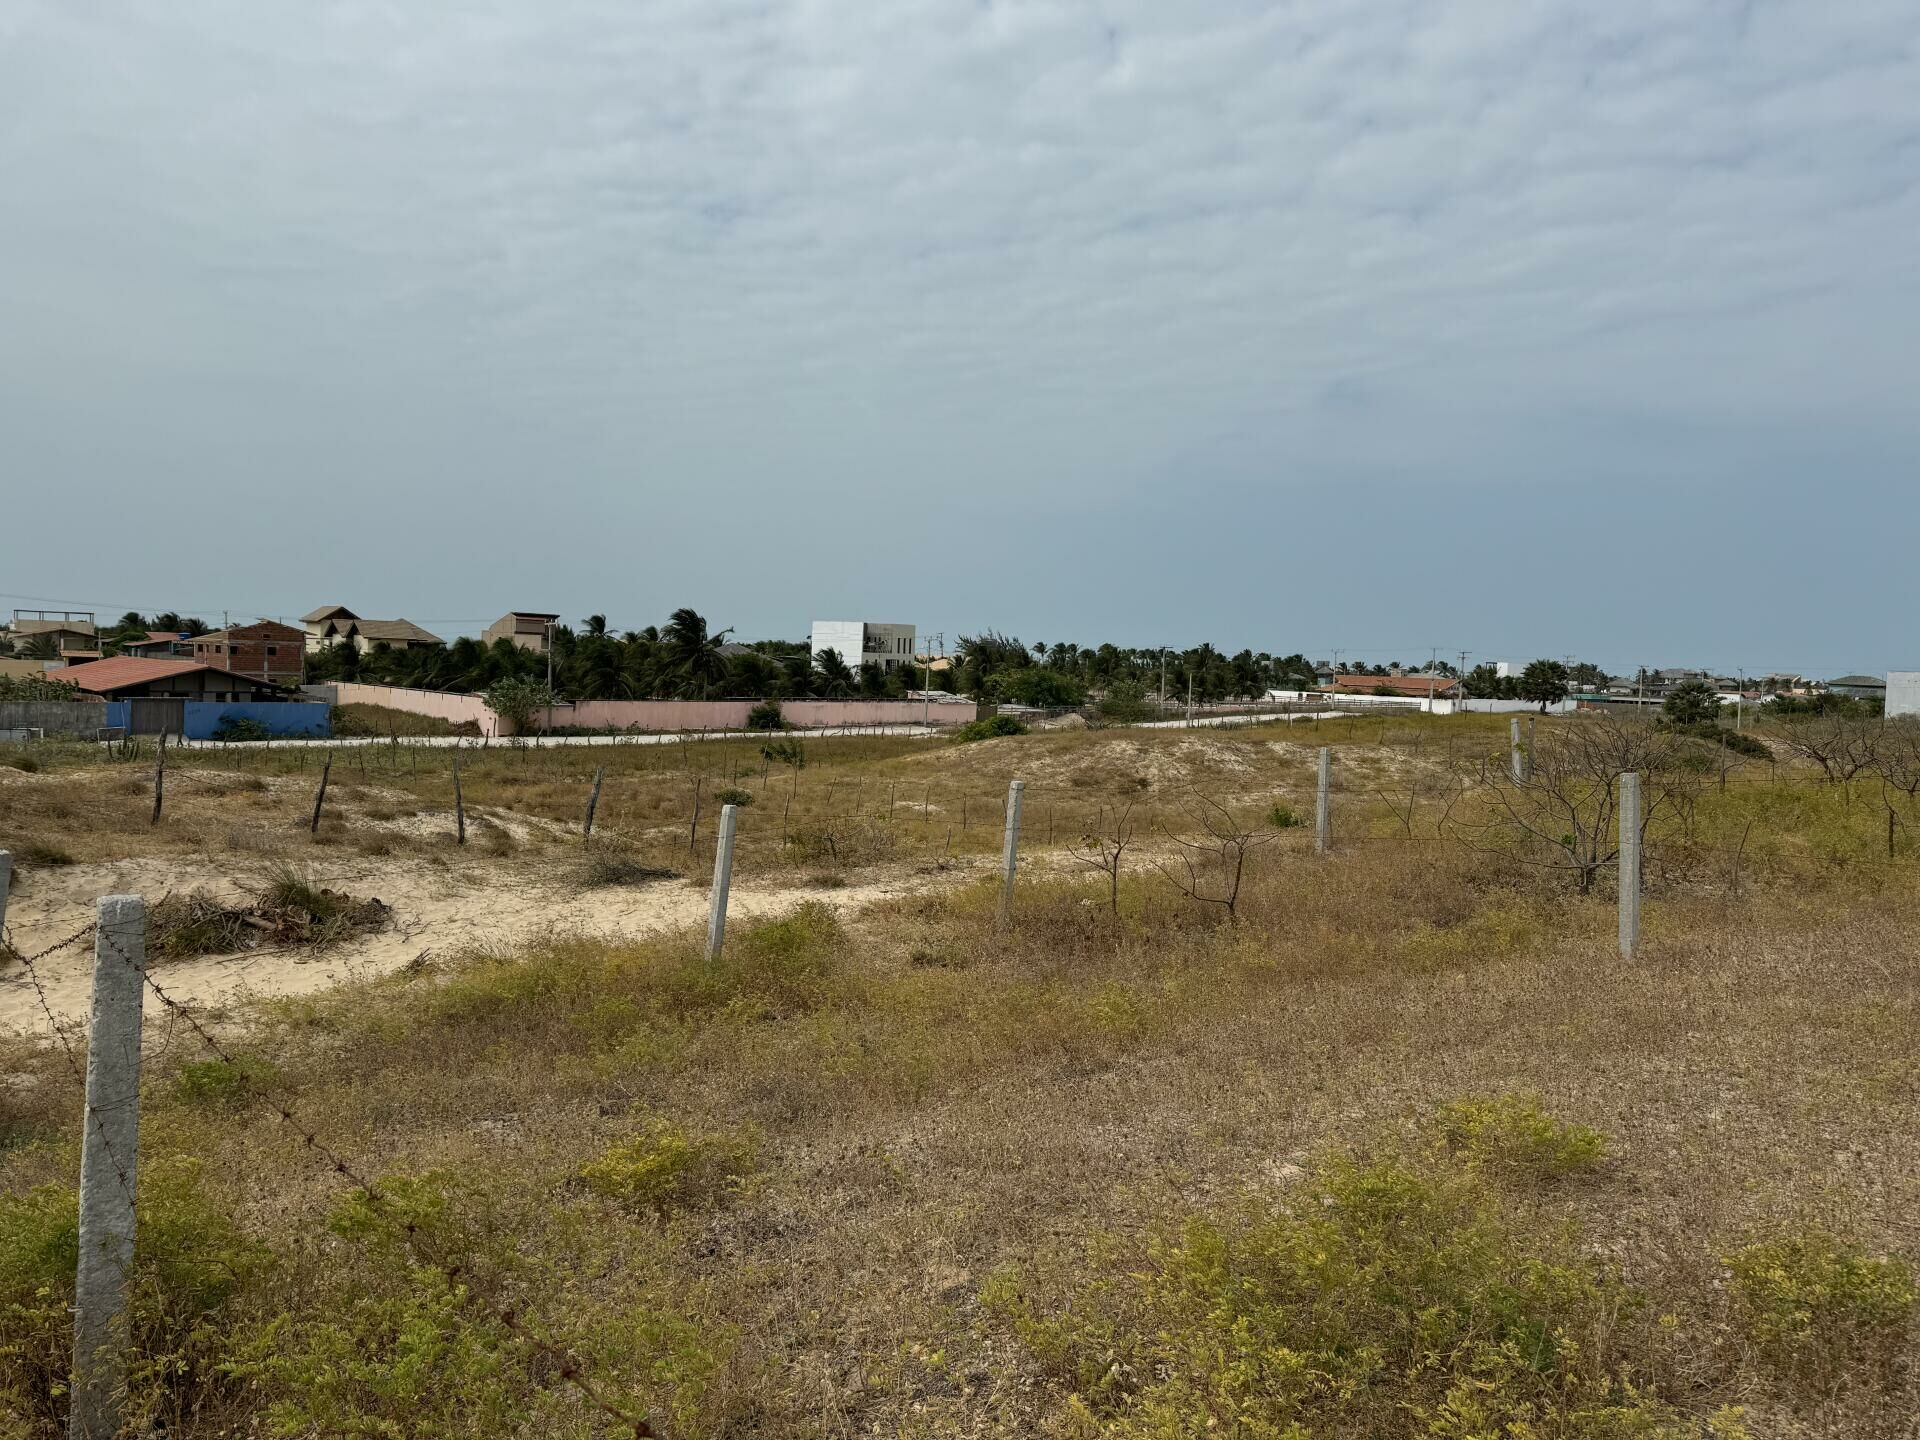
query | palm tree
[595, 624]
[693, 655]
[836, 677]
[41, 647]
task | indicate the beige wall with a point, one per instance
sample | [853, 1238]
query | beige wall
[657, 715]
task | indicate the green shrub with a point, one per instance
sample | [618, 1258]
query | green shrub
[400, 1335]
[1737, 741]
[1814, 1308]
[1513, 1134]
[239, 728]
[664, 1168]
[1396, 1300]
[728, 795]
[224, 1084]
[190, 1265]
[1281, 817]
[766, 716]
[790, 751]
[992, 728]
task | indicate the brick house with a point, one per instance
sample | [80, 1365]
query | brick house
[265, 650]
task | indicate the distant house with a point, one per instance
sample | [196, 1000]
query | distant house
[68, 629]
[265, 650]
[132, 677]
[1418, 687]
[529, 629]
[864, 642]
[1859, 687]
[160, 645]
[336, 625]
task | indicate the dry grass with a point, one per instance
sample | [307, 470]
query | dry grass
[859, 1177]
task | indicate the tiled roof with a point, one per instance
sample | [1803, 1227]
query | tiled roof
[1405, 684]
[122, 672]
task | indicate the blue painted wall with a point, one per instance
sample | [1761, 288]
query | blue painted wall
[287, 717]
[281, 717]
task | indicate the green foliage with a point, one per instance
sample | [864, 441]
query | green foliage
[1037, 686]
[766, 716]
[1714, 734]
[224, 1084]
[1281, 817]
[1692, 702]
[517, 699]
[191, 1262]
[1512, 1133]
[665, 1169]
[729, 795]
[790, 752]
[36, 688]
[1814, 1307]
[1125, 703]
[239, 728]
[1544, 683]
[994, 727]
[1396, 1298]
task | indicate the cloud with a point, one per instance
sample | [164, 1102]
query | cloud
[1050, 250]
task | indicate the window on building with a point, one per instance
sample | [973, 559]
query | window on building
[273, 649]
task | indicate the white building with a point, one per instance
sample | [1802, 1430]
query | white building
[1903, 692]
[864, 642]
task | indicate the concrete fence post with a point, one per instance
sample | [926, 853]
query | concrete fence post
[1518, 765]
[1323, 804]
[109, 1153]
[1010, 850]
[1629, 864]
[459, 805]
[722, 880]
[6, 883]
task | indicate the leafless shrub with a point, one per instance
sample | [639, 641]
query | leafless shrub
[1214, 867]
[1840, 745]
[1103, 850]
[1565, 815]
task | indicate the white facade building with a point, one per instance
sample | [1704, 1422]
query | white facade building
[1903, 692]
[864, 642]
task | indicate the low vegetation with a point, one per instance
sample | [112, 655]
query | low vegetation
[1395, 1145]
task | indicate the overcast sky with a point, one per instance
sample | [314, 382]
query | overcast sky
[1518, 326]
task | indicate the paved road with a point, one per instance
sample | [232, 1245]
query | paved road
[542, 742]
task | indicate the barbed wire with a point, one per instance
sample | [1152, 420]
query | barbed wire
[66, 1043]
[567, 1365]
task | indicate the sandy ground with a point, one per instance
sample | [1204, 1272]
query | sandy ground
[437, 911]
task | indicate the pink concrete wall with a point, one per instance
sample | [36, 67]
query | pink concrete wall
[437, 703]
[661, 715]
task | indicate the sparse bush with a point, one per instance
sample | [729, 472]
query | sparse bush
[234, 729]
[665, 1169]
[993, 728]
[1281, 817]
[766, 716]
[1815, 1308]
[790, 752]
[21, 762]
[223, 1084]
[619, 867]
[1512, 1133]
[43, 853]
[728, 795]
[191, 1263]
[1397, 1299]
